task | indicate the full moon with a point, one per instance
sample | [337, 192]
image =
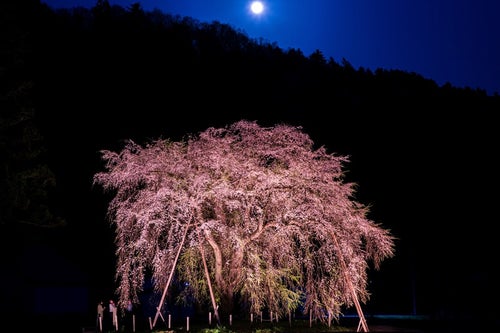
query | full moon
[257, 7]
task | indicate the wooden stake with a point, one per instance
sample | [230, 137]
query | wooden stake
[158, 308]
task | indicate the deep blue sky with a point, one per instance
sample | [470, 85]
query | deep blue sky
[455, 41]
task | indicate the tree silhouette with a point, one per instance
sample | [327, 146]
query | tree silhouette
[249, 211]
[27, 182]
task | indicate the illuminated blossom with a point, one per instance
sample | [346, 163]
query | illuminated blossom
[273, 218]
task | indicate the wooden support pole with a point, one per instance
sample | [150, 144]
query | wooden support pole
[362, 321]
[158, 308]
[207, 275]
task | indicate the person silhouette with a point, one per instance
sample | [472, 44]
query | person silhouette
[113, 318]
[100, 316]
[129, 317]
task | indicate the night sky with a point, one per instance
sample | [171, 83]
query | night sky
[455, 41]
[429, 175]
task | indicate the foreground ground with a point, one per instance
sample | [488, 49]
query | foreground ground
[375, 324]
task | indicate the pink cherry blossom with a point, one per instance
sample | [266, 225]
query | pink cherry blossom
[270, 216]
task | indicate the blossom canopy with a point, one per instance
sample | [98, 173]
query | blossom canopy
[254, 211]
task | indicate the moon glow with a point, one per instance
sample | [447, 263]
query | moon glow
[257, 7]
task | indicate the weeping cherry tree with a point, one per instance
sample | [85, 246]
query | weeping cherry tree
[242, 212]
